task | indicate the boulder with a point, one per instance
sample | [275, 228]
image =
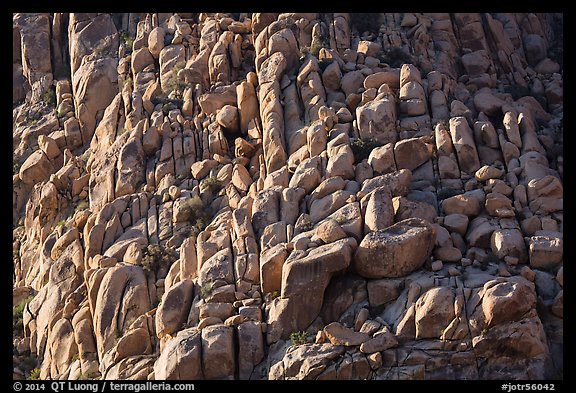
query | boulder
[241, 178]
[512, 129]
[210, 103]
[464, 145]
[33, 45]
[368, 48]
[409, 73]
[396, 251]
[188, 259]
[340, 162]
[228, 117]
[487, 103]
[390, 77]
[381, 159]
[305, 276]
[406, 208]
[90, 33]
[488, 172]
[223, 54]
[283, 41]
[351, 82]
[131, 167]
[329, 231]
[218, 267]
[121, 297]
[476, 63]
[141, 58]
[448, 254]
[332, 75]
[378, 210]
[174, 308]
[410, 153]
[398, 182]
[412, 90]
[181, 358]
[200, 169]
[36, 168]
[456, 222]
[461, 204]
[247, 104]
[480, 232]
[434, 312]
[48, 146]
[504, 300]
[218, 352]
[545, 252]
[383, 291]
[251, 348]
[377, 120]
[265, 210]
[381, 341]
[547, 66]
[273, 234]
[322, 208]
[525, 339]
[218, 310]
[448, 168]
[509, 242]
[305, 178]
[95, 84]
[534, 48]
[305, 361]
[341, 335]
[62, 346]
[498, 205]
[156, 41]
[273, 68]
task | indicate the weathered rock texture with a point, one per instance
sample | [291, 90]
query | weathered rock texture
[288, 196]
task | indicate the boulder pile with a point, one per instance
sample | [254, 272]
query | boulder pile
[287, 196]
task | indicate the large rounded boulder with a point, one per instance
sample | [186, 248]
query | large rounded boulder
[395, 251]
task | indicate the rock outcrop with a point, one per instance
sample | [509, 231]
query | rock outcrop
[287, 196]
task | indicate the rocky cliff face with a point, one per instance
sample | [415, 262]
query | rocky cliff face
[288, 196]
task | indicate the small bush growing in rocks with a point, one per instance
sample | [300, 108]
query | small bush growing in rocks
[298, 338]
[18, 312]
[394, 57]
[196, 212]
[362, 148]
[34, 374]
[156, 255]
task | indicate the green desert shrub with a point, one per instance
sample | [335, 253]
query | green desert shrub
[49, 97]
[211, 185]
[362, 148]
[206, 290]
[34, 374]
[156, 255]
[319, 44]
[172, 85]
[18, 314]
[127, 40]
[197, 213]
[298, 338]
